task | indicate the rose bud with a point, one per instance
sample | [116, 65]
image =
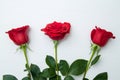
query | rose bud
[57, 30]
[19, 35]
[101, 36]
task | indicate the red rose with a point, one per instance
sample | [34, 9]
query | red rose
[101, 36]
[57, 30]
[19, 35]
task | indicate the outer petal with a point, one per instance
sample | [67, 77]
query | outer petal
[92, 34]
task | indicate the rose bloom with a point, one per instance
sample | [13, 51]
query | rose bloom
[57, 30]
[101, 36]
[19, 35]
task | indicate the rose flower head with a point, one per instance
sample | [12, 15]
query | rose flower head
[57, 30]
[19, 35]
[101, 36]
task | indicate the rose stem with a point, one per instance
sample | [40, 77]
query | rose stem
[24, 48]
[89, 61]
[56, 58]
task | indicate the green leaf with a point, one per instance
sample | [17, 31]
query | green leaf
[50, 61]
[9, 77]
[41, 77]
[101, 76]
[95, 60]
[48, 72]
[78, 67]
[55, 77]
[26, 78]
[85, 79]
[68, 78]
[35, 71]
[63, 67]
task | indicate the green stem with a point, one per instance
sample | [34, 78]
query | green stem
[24, 48]
[25, 54]
[95, 47]
[56, 58]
